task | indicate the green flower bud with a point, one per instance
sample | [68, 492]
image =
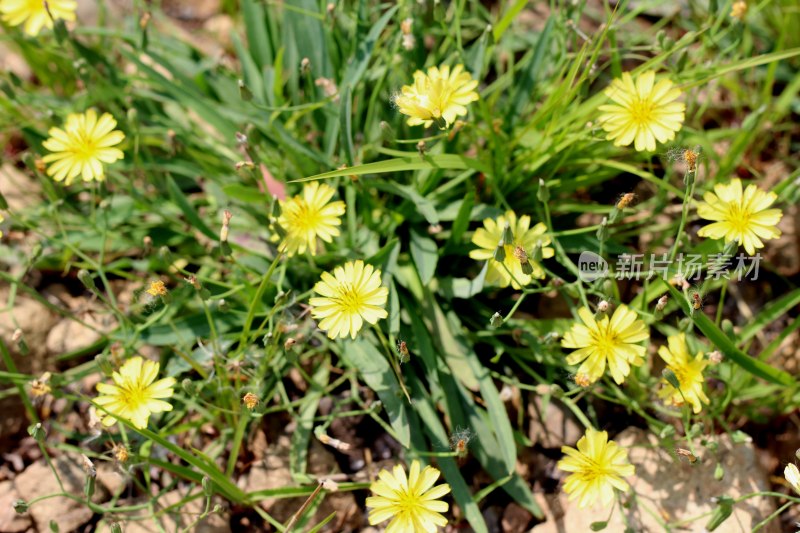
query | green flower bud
[86, 278]
[499, 254]
[671, 378]
[496, 321]
[104, 363]
[20, 506]
[722, 512]
[88, 486]
[543, 194]
[508, 235]
[245, 93]
[37, 431]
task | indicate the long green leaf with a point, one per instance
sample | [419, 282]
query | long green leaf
[769, 314]
[402, 164]
[376, 372]
[447, 465]
[188, 211]
[226, 487]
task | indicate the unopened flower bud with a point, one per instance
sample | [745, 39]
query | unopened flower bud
[19, 339]
[662, 303]
[671, 378]
[291, 341]
[305, 65]
[543, 194]
[245, 93]
[508, 235]
[499, 254]
[104, 363]
[116, 528]
[208, 486]
[602, 231]
[496, 321]
[226, 219]
[89, 486]
[37, 431]
[715, 357]
[189, 387]
[86, 278]
[603, 306]
[20, 506]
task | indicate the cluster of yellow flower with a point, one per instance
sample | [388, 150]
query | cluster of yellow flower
[644, 111]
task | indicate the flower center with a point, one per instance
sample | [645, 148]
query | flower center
[408, 503]
[306, 218]
[592, 470]
[642, 111]
[83, 146]
[349, 298]
[738, 217]
[605, 340]
[132, 395]
[686, 375]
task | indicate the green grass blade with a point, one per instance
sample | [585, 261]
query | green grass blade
[376, 372]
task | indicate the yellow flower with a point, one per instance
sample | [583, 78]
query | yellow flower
[412, 503]
[157, 288]
[33, 14]
[352, 295]
[597, 467]
[82, 147]
[2, 218]
[135, 394]
[739, 216]
[607, 341]
[689, 372]
[525, 237]
[439, 96]
[308, 217]
[739, 10]
[643, 112]
[792, 475]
